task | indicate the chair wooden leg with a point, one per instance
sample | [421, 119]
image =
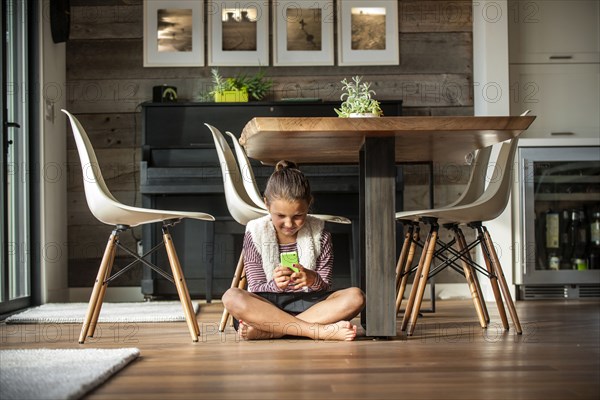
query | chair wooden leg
[184, 295]
[486, 314]
[413, 291]
[403, 256]
[424, 276]
[469, 272]
[234, 283]
[241, 285]
[100, 301]
[406, 269]
[502, 280]
[493, 279]
[243, 281]
[105, 265]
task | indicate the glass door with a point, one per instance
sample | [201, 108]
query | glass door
[15, 271]
[560, 215]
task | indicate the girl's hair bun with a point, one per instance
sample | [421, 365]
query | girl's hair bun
[288, 183]
[285, 164]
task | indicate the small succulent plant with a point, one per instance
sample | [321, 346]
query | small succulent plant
[357, 99]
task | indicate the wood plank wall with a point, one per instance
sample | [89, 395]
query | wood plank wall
[106, 83]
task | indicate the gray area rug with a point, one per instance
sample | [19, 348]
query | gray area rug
[58, 373]
[74, 313]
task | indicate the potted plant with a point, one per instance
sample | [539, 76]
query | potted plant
[357, 101]
[227, 90]
[240, 87]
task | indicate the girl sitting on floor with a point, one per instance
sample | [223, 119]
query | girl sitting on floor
[279, 300]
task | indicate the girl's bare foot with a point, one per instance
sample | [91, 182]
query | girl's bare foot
[342, 330]
[248, 332]
[339, 331]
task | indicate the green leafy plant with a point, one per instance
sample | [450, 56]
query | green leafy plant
[256, 85]
[357, 99]
[220, 84]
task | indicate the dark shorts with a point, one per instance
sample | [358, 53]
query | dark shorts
[292, 303]
[296, 302]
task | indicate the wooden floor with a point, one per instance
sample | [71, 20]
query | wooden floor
[449, 357]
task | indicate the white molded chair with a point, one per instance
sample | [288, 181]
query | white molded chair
[239, 204]
[110, 211]
[487, 207]
[241, 207]
[473, 190]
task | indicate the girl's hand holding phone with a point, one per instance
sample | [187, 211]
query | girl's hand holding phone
[303, 278]
[282, 277]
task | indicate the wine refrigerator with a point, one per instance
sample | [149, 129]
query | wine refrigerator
[560, 222]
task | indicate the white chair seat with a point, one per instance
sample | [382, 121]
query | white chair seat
[121, 214]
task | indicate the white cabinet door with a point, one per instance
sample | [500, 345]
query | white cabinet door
[554, 31]
[564, 97]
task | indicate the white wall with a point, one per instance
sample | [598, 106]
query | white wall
[52, 163]
[490, 58]
[491, 97]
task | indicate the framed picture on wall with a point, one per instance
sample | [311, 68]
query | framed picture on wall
[368, 32]
[173, 33]
[238, 33]
[303, 32]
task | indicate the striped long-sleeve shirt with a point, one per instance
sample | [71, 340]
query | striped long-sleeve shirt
[257, 280]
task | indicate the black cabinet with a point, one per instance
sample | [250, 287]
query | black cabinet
[180, 171]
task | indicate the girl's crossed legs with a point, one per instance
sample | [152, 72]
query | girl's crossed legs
[328, 319]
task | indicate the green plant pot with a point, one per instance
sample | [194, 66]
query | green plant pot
[232, 96]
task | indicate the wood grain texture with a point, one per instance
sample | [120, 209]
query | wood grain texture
[326, 139]
[435, 16]
[379, 222]
[449, 357]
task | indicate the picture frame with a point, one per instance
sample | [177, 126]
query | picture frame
[303, 32]
[238, 33]
[174, 33]
[368, 32]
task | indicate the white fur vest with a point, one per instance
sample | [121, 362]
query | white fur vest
[264, 237]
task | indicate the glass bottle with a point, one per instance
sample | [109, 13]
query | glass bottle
[595, 241]
[566, 246]
[581, 242]
[553, 239]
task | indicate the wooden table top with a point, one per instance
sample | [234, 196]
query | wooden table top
[322, 140]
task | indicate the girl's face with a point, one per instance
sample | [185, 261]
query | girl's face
[288, 217]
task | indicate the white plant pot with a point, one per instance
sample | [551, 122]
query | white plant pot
[363, 115]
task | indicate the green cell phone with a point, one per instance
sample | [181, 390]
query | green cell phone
[288, 259]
